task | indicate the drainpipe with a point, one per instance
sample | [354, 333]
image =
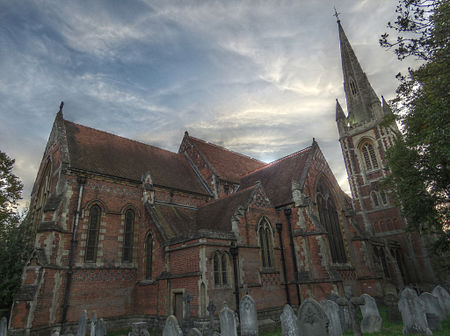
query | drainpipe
[288, 213]
[73, 244]
[234, 253]
[283, 261]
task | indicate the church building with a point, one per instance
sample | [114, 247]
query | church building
[127, 230]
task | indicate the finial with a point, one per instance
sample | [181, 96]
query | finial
[61, 106]
[336, 14]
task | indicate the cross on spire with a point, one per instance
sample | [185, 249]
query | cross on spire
[336, 14]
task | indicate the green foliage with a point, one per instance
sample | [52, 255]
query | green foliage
[14, 242]
[419, 162]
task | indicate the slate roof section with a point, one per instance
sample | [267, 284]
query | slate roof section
[175, 221]
[276, 177]
[105, 153]
[216, 216]
[228, 165]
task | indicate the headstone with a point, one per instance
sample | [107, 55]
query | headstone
[194, 332]
[433, 311]
[171, 328]
[227, 319]
[3, 326]
[392, 312]
[444, 298]
[413, 313]
[211, 309]
[139, 329]
[100, 328]
[249, 318]
[311, 319]
[352, 303]
[93, 323]
[332, 310]
[187, 322]
[288, 322]
[81, 331]
[344, 314]
[371, 317]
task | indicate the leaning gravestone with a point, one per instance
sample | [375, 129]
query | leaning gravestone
[100, 328]
[371, 317]
[444, 298]
[171, 328]
[3, 326]
[227, 319]
[392, 312]
[433, 311]
[289, 322]
[311, 319]
[332, 310]
[194, 332]
[249, 318]
[413, 313]
[344, 314]
[93, 323]
[81, 331]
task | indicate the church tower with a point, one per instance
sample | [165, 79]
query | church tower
[364, 141]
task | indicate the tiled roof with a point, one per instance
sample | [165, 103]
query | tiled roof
[109, 154]
[175, 221]
[276, 177]
[228, 165]
[216, 216]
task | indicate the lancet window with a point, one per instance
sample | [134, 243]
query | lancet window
[92, 238]
[128, 236]
[266, 244]
[220, 267]
[148, 256]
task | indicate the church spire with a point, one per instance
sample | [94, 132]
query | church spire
[362, 103]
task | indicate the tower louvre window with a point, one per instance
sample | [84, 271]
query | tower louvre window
[370, 159]
[92, 239]
[353, 87]
[375, 201]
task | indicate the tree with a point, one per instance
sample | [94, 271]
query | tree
[14, 242]
[419, 161]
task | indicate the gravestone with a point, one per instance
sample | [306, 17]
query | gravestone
[3, 326]
[344, 314]
[392, 312]
[81, 331]
[249, 318]
[413, 313]
[171, 328]
[194, 332]
[100, 328]
[433, 311]
[227, 319]
[311, 319]
[93, 323]
[187, 322]
[371, 317]
[444, 298]
[352, 303]
[332, 310]
[211, 309]
[288, 322]
[139, 329]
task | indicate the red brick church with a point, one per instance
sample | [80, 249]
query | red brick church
[125, 229]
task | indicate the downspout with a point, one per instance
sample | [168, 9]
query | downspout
[73, 244]
[234, 253]
[283, 262]
[287, 213]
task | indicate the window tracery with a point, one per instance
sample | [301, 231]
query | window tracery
[369, 156]
[266, 244]
[220, 269]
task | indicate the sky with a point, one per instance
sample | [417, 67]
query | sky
[257, 77]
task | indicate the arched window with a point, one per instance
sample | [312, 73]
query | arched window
[330, 221]
[128, 236]
[148, 256]
[384, 198]
[266, 244]
[374, 197]
[368, 154]
[92, 238]
[220, 269]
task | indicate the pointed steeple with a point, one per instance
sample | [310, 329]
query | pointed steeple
[362, 102]
[339, 111]
[386, 108]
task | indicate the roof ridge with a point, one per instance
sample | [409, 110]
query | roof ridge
[222, 147]
[122, 137]
[229, 196]
[273, 163]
